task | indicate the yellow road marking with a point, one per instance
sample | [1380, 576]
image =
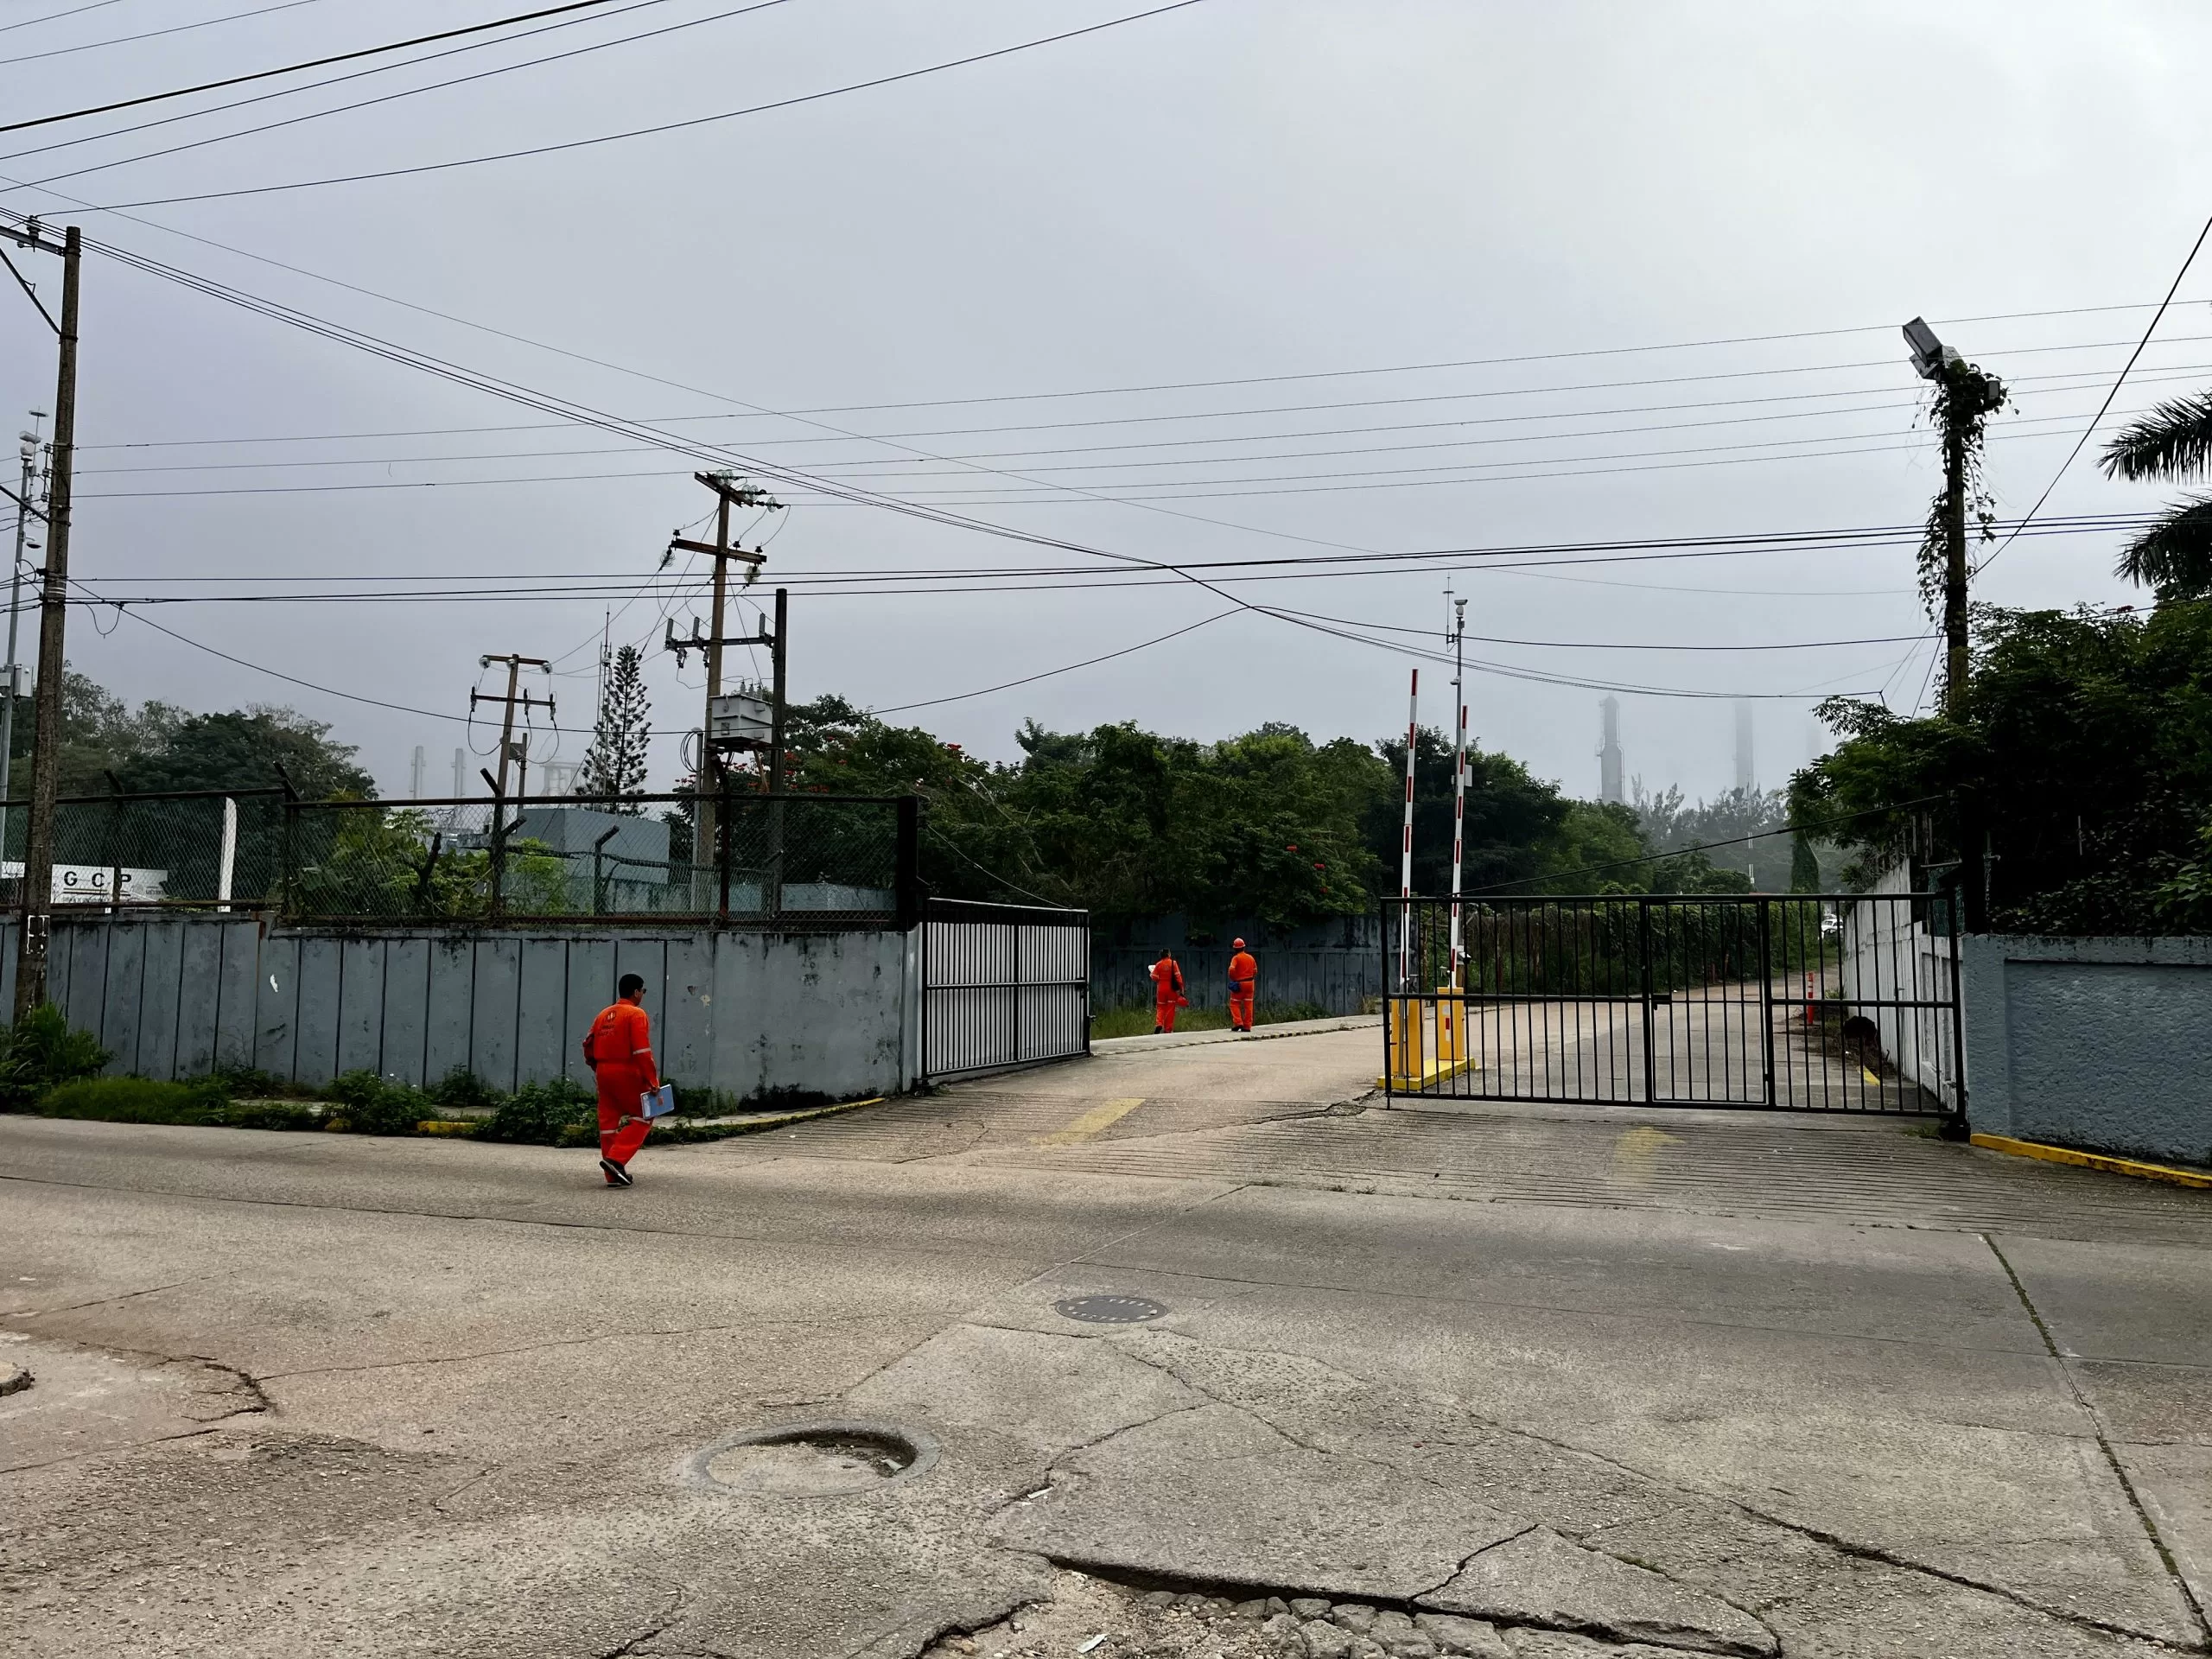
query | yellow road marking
[1637, 1150]
[1099, 1117]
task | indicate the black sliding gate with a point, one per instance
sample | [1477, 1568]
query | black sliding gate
[1002, 985]
[1843, 1003]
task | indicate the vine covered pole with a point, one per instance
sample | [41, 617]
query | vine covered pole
[1954, 562]
[1965, 397]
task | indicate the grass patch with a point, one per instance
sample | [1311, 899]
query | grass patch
[1137, 1022]
[144, 1100]
[47, 1067]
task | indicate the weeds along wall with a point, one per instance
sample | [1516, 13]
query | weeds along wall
[745, 1012]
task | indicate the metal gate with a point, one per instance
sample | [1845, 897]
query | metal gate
[1002, 985]
[1835, 1003]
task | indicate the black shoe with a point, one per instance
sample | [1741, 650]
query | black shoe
[616, 1175]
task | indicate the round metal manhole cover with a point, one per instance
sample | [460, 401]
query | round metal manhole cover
[811, 1460]
[1110, 1310]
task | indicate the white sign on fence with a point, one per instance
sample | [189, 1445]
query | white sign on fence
[88, 884]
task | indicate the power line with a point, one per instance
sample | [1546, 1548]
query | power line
[1025, 493]
[613, 138]
[1764, 418]
[2087, 432]
[148, 35]
[291, 91]
[1031, 679]
[53, 17]
[371, 103]
[926, 513]
[294, 68]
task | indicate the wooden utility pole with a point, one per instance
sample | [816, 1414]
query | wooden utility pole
[515, 698]
[727, 494]
[54, 610]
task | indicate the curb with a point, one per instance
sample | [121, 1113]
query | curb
[2139, 1171]
[722, 1128]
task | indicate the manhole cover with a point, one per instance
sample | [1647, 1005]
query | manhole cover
[1110, 1310]
[811, 1459]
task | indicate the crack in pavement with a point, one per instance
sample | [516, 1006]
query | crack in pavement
[120, 1296]
[2104, 1445]
[678, 1596]
[1832, 1540]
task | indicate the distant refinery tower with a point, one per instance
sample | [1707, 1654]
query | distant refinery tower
[1746, 772]
[1609, 754]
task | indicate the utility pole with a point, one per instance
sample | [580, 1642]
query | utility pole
[727, 494]
[514, 698]
[1406, 843]
[1965, 397]
[14, 613]
[414, 775]
[54, 610]
[1458, 620]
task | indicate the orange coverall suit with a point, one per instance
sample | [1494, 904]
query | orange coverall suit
[620, 1045]
[1166, 993]
[1243, 974]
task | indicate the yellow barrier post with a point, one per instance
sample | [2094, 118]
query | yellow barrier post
[1406, 1048]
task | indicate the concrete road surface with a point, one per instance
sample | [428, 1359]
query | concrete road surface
[1531, 1381]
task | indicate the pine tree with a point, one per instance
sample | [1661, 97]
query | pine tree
[614, 766]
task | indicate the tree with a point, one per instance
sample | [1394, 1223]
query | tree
[242, 750]
[2173, 557]
[614, 765]
[2088, 739]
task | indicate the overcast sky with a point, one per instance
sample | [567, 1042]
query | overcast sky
[1374, 196]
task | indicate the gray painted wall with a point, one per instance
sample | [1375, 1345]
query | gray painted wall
[175, 996]
[2102, 1044]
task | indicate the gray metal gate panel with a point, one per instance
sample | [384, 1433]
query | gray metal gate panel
[1834, 1003]
[1002, 985]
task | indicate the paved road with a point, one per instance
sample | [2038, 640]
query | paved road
[1722, 1383]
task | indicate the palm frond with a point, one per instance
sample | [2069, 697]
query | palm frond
[2173, 558]
[2173, 440]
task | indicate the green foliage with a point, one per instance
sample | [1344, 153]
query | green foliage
[1804, 865]
[368, 1104]
[562, 1113]
[41, 1052]
[144, 1100]
[137, 1100]
[461, 1090]
[1965, 397]
[2173, 557]
[243, 749]
[2089, 740]
[614, 765]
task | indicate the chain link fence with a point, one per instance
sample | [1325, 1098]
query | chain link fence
[798, 861]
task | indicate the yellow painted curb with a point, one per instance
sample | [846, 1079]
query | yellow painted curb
[2093, 1161]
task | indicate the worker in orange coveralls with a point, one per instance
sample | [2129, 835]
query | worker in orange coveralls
[1166, 993]
[1243, 974]
[618, 1048]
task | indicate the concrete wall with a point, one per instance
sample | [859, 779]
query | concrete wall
[2102, 1044]
[176, 995]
